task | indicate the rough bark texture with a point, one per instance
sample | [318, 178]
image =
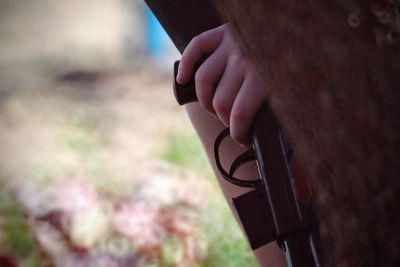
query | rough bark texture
[336, 90]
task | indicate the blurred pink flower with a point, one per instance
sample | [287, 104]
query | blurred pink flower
[82, 214]
[139, 221]
[73, 196]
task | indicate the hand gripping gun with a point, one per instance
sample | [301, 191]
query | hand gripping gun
[273, 210]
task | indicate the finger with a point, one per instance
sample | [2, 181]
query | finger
[248, 101]
[207, 78]
[204, 43]
[226, 91]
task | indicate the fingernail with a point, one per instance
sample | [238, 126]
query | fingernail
[243, 145]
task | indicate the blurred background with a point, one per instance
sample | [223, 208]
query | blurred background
[98, 164]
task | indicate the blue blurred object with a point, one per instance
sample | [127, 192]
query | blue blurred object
[159, 47]
[158, 42]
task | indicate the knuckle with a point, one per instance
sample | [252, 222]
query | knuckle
[240, 115]
[223, 109]
[198, 40]
[201, 79]
[203, 90]
[237, 59]
[220, 106]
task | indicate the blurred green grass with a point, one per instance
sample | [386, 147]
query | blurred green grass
[226, 244]
[185, 150]
[17, 240]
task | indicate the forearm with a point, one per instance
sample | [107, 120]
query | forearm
[208, 128]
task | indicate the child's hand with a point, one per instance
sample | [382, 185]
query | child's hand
[226, 83]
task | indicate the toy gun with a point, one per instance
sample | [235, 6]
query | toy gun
[273, 210]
